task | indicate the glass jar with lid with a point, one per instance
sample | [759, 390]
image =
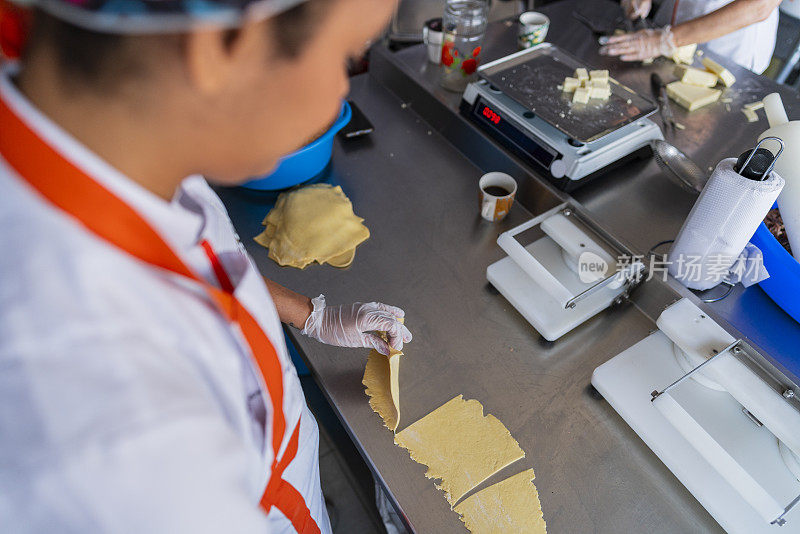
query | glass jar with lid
[463, 27]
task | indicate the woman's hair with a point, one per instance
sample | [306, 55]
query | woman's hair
[86, 57]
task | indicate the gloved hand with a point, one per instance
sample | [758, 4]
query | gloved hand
[357, 325]
[636, 9]
[641, 45]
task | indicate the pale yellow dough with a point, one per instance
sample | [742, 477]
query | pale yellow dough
[460, 446]
[313, 223]
[508, 507]
[381, 377]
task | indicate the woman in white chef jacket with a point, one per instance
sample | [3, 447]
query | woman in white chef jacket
[145, 386]
[743, 31]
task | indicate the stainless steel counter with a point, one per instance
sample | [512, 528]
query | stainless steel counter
[636, 202]
[428, 253]
[414, 181]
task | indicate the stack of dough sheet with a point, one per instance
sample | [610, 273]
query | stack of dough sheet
[315, 223]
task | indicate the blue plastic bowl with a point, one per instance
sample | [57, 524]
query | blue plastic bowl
[783, 284]
[302, 165]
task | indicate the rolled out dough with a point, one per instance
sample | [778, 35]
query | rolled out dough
[460, 446]
[383, 389]
[313, 223]
[510, 506]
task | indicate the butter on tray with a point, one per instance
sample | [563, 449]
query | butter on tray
[598, 75]
[587, 85]
[570, 84]
[581, 95]
[690, 96]
[601, 92]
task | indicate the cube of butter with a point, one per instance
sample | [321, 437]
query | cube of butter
[724, 74]
[582, 74]
[690, 96]
[570, 84]
[693, 76]
[684, 54]
[601, 92]
[751, 115]
[598, 75]
[581, 95]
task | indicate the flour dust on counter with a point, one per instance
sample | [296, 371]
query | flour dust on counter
[460, 446]
[510, 506]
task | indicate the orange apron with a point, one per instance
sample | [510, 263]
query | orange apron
[73, 191]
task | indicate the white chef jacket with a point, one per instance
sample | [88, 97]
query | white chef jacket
[751, 47]
[127, 402]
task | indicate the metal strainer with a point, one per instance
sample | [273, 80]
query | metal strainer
[679, 167]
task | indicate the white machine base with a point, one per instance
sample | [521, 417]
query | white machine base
[627, 380]
[547, 316]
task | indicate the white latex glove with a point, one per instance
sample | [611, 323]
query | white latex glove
[641, 45]
[357, 325]
[636, 9]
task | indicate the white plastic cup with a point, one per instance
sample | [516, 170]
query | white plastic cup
[495, 206]
[433, 39]
[533, 28]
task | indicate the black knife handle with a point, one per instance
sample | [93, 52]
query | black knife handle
[657, 84]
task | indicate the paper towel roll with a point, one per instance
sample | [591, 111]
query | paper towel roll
[722, 221]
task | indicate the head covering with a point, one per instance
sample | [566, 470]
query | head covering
[14, 24]
[159, 16]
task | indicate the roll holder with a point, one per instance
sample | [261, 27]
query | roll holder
[741, 167]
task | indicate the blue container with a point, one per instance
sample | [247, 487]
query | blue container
[302, 165]
[783, 284]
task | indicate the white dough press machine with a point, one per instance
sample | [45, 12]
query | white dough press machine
[719, 415]
[566, 276]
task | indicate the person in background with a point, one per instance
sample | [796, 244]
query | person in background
[743, 31]
[145, 384]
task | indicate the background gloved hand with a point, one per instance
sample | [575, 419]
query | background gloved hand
[636, 9]
[357, 325]
[641, 45]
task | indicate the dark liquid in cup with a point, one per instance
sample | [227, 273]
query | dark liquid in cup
[496, 191]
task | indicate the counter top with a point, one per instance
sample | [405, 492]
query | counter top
[428, 253]
[636, 192]
[414, 180]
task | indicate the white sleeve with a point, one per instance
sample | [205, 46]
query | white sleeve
[183, 475]
[116, 434]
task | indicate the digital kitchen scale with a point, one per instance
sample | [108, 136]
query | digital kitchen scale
[518, 102]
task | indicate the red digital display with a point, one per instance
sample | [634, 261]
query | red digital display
[493, 117]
